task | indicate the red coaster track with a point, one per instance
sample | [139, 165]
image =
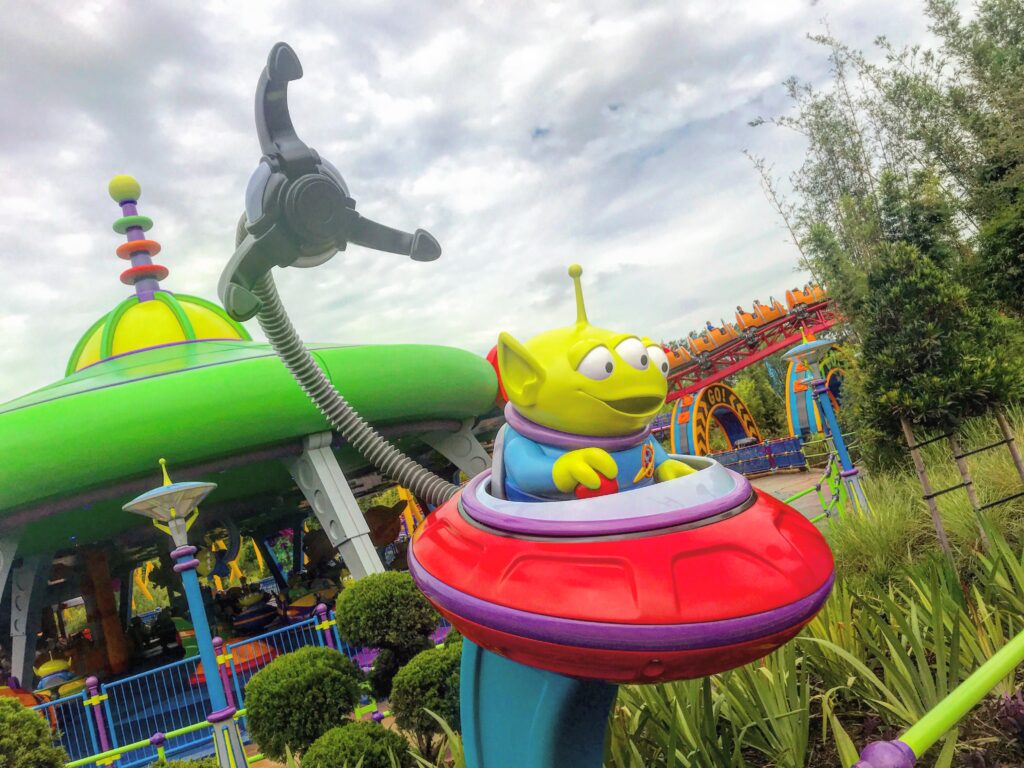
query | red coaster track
[752, 345]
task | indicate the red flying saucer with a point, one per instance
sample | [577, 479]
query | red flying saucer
[675, 580]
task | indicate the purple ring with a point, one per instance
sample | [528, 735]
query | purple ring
[849, 472]
[480, 512]
[619, 637]
[186, 565]
[221, 715]
[157, 739]
[887, 754]
[183, 551]
[541, 434]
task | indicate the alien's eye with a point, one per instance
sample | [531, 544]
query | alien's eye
[634, 352]
[658, 359]
[597, 364]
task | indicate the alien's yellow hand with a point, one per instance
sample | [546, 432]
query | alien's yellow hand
[670, 469]
[580, 467]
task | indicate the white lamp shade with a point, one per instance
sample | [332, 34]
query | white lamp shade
[158, 503]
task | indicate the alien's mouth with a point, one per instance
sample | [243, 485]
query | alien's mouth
[635, 406]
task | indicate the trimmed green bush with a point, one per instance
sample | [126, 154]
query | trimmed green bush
[346, 745]
[25, 738]
[201, 762]
[386, 611]
[298, 697]
[385, 667]
[430, 681]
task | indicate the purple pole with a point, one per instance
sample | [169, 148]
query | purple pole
[321, 615]
[218, 649]
[92, 685]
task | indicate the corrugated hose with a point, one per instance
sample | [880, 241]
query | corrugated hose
[343, 417]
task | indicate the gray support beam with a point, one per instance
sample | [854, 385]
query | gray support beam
[324, 485]
[460, 448]
[28, 588]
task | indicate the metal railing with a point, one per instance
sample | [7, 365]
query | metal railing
[72, 724]
[156, 745]
[172, 700]
[160, 700]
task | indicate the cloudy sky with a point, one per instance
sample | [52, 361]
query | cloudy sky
[524, 135]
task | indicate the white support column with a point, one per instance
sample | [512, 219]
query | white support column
[8, 551]
[324, 485]
[460, 448]
[28, 587]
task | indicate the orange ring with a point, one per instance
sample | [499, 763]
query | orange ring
[132, 275]
[125, 250]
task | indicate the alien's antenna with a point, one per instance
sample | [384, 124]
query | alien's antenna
[575, 270]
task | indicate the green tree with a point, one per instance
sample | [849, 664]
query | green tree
[928, 355]
[386, 611]
[1000, 266]
[25, 738]
[429, 683]
[768, 408]
[298, 697]
[362, 743]
[915, 162]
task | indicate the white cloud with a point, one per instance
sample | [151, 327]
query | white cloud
[525, 136]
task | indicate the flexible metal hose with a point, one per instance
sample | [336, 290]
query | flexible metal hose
[353, 428]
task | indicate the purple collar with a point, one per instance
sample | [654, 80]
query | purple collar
[557, 439]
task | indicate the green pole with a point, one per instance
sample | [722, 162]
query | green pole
[800, 494]
[902, 752]
[930, 728]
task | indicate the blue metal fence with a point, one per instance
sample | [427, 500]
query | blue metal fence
[159, 700]
[174, 696]
[72, 724]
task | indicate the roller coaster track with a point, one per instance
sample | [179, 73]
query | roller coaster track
[751, 346]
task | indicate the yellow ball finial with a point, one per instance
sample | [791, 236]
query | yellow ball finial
[163, 468]
[123, 188]
[575, 270]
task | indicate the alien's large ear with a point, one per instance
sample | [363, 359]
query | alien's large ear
[520, 372]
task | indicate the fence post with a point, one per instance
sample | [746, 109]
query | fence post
[1011, 445]
[222, 663]
[92, 685]
[968, 481]
[324, 625]
[158, 740]
[929, 497]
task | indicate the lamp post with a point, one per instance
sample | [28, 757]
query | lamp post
[173, 507]
[810, 354]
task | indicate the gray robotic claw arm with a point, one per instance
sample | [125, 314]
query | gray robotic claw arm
[298, 209]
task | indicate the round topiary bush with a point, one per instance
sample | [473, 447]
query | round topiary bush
[386, 611]
[430, 681]
[298, 697]
[25, 738]
[345, 746]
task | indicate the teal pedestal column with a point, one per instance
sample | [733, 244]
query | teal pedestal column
[227, 741]
[514, 716]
